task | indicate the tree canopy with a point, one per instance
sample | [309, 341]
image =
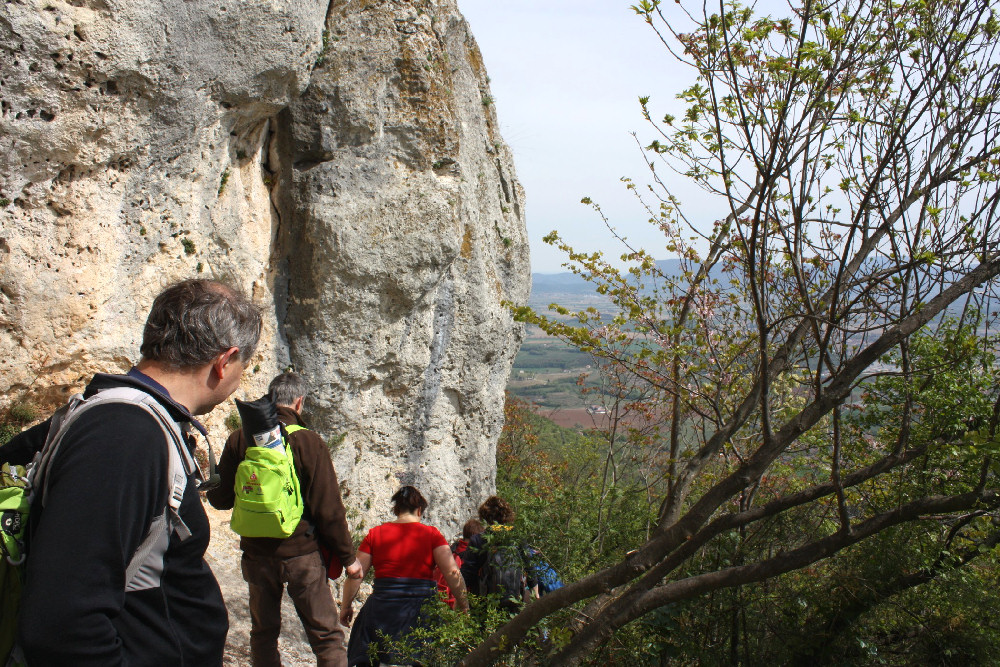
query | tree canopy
[818, 376]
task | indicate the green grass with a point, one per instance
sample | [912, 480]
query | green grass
[546, 371]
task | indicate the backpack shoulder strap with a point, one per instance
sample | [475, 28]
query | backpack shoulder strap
[58, 425]
[65, 416]
[145, 568]
[286, 433]
[146, 565]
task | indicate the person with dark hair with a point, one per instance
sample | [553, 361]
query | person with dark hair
[497, 514]
[496, 511]
[108, 486]
[472, 527]
[496, 569]
[403, 553]
[269, 563]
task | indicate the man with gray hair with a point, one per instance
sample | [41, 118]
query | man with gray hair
[108, 486]
[270, 563]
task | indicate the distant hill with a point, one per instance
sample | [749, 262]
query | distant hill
[570, 290]
[559, 283]
[561, 287]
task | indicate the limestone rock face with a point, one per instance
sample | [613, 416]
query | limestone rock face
[132, 140]
[339, 160]
[407, 235]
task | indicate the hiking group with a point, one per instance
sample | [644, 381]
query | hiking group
[105, 495]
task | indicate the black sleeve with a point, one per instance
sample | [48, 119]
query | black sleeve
[530, 565]
[106, 484]
[223, 497]
[472, 562]
[20, 449]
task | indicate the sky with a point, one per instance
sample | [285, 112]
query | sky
[566, 77]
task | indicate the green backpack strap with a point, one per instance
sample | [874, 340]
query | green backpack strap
[292, 428]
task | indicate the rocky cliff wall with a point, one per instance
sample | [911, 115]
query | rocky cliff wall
[339, 160]
[408, 234]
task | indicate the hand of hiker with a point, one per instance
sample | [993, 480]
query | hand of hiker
[354, 570]
[346, 616]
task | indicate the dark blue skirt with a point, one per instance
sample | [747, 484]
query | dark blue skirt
[393, 610]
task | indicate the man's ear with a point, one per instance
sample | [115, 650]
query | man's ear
[221, 364]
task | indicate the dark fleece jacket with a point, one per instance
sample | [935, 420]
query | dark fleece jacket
[106, 485]
[324, 516]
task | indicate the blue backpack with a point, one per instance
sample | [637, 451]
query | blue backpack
[546, 575]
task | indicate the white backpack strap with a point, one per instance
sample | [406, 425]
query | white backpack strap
[58, 425]
[145, 568]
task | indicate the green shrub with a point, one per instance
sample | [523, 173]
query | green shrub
[223, 181]
[445, 636]
[14, 419]
[21, 414]
[233, 421]
[7, 431]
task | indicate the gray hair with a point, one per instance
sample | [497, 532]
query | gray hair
[287, 387]
[193, 321]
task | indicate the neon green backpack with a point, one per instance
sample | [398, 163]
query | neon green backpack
[14, 507]
[268, 498]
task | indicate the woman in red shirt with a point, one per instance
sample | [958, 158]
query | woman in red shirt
[403, 553]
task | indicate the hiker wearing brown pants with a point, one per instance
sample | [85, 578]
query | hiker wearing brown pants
[306, 580]
[270, 563]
